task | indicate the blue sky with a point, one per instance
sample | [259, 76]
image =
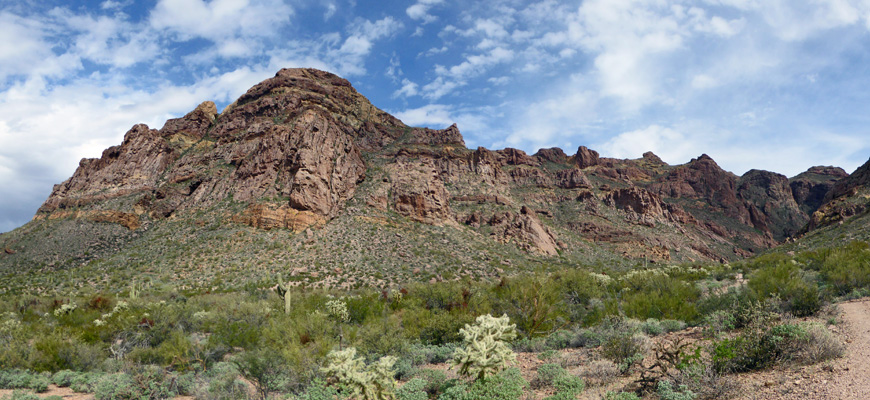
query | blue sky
[770, 84]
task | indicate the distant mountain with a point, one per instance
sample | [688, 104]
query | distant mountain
[303, 175]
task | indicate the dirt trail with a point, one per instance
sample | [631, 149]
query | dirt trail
[847, 378]
[854, 381]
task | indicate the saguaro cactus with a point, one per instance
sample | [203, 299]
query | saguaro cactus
[283, 291]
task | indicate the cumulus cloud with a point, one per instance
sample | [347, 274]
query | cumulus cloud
[219, 19]
[420, 10]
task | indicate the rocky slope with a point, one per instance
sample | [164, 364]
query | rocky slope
[304, 152]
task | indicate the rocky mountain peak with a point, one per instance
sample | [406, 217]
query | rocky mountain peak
[303, 150]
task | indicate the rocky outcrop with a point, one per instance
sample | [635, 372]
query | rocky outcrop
[771, 206]
[585, 158]
[554, 155]
[847, 198]
[296, 149]
[523, 228]
[572, 178]
[272, 216]
[431, 137]
[133, 166]
[418, 193]
[296, 136]
[810, 187]
[703, 179]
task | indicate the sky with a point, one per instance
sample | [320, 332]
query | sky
[779, 85]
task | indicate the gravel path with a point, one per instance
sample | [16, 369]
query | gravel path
[854, 382]
[847, 378]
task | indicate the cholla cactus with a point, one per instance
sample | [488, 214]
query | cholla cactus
[338, 310]
[373, 382]
[64, 309]
[486, 350]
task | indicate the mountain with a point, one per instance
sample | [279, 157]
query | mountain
[303, 175]
[843, 215]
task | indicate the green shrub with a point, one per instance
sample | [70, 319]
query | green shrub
[20, 395]
[85, 382]
[505, 385]
[18, 379]
[796, 289]
[758, 347]
[223, 383]
[547, 374]
[666, 391]
[412, 390]
[569, 385]
[533, 302]
[420, 354]
[652, 327]
[434, 379]
[118, 387]
[620, 396]
[63, 378]
[318, 390]
[673, 325]
[265, 368]
[560, 339]
[486, 349]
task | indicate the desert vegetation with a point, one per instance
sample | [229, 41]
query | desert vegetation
[271, 340]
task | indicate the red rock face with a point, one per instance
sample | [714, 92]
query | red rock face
[295, 136]
[585, 158]
[294, 150]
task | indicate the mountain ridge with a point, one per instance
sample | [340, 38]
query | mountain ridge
[303, 151]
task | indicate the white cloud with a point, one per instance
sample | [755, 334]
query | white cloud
[420, 10]
[408, 89]
[219, 19]
[435, 115]
[27, 51]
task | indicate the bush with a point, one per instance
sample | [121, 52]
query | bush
[318, 390]
[547, 374]
[17, 379]
[673, 325]
[620, 396]
[118, 387]
[758, 347]
[506, 385]
[63, 378]
[624, 350]
[20, 395]
[560, 339]
[652, 327]
[568, 385]
[433, 378]
[412, 390]
[265, 368]
[85, 382]
[600, 372]
[420, 354]
[795, 287]
[223, 383]
[666, 391]
[817, 344]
